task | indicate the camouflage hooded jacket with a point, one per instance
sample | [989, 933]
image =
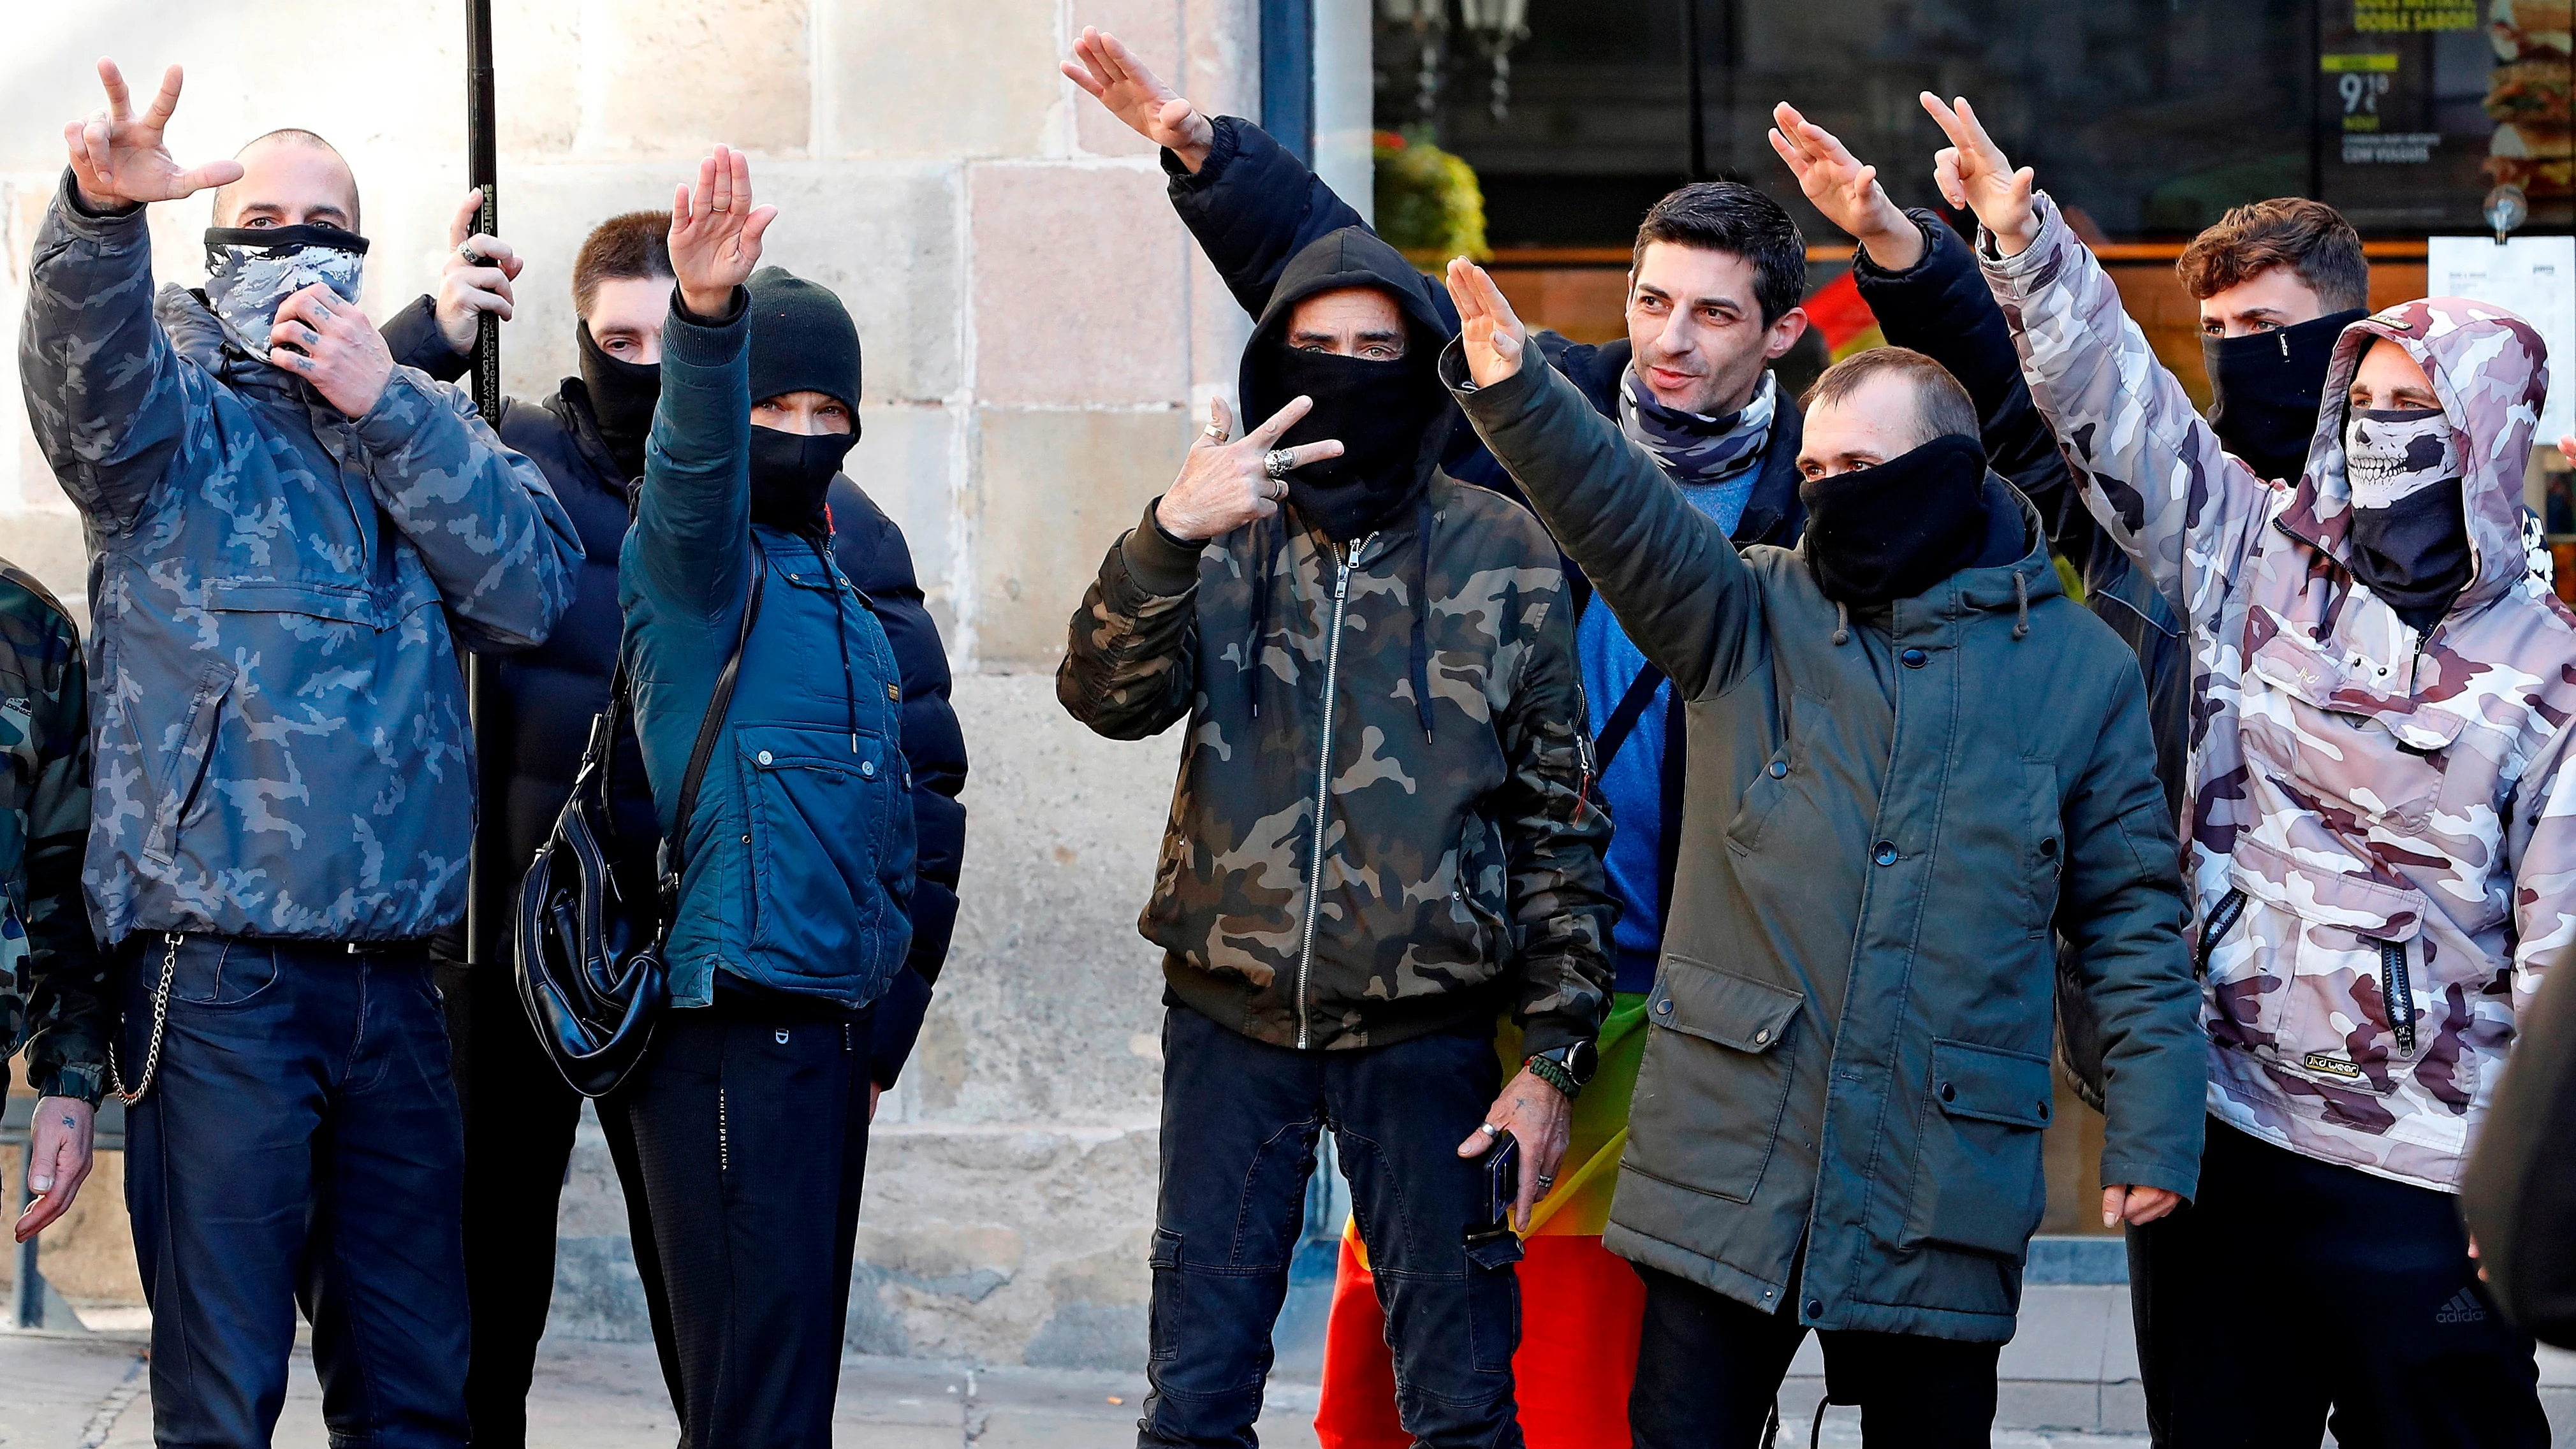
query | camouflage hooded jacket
[281, 735]
[2382, 828]
[53, 996]
[1331, 877]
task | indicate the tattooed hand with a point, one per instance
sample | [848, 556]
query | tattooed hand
[1542, 1119]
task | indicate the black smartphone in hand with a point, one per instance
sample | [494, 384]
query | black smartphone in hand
[1503, 1177]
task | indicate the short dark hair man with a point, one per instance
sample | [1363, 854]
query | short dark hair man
[589, 438]
[1383, 838]
[289, 535]
[1916, 758]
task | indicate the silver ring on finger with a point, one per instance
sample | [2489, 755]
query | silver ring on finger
[1544, 1183]
[1215, 434]
[1277, 462]
[1489, 1129]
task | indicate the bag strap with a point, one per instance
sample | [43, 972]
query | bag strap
[709, 728]
[1623, 719]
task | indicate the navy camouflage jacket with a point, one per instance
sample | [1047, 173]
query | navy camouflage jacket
[281, 738]
[53, 983]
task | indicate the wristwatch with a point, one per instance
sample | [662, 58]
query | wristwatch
[1569, 1069]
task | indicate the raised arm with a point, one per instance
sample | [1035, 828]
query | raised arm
[1251, 204]
[2151, 471]
[1669, 571]
[693, 522]
[110, 401]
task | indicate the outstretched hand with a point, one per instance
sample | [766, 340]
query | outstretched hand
[1104, 66]
[1973, 173]
[119, 158]
[716, 231]
[1491, 332]
[1846, 191]
[1223, 485]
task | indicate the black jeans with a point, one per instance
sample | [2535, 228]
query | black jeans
[520, 1118]
[751, 1132]
[298, 1146]
[1709, 1370]
[2295, 1293]
[1240, 1119]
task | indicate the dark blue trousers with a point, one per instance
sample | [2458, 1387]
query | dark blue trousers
[1240, 1118]
[299, 1147]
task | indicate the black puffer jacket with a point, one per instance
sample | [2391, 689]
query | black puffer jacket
[547, 695]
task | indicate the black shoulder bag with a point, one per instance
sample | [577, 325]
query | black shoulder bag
[590, 961]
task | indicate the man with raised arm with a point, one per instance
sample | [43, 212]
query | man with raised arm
[2381, 830]
[1912, 758]
[288, 534]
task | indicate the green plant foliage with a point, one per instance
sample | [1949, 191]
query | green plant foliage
[1428, 202]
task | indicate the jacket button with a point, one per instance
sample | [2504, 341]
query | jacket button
[764, 757]
[1815, 1308]
[2048, 848]
[1949, 1093]
[1885, 854]
[1762, 1036]
[868, 769]
[1915, 658]
[2043, 1111]
[1664, 1007]
[1779, 769]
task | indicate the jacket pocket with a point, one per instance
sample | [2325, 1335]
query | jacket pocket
[2323, 977]
[1715, 1080]
[817, 812]
[184, 761]
[1978, 1187]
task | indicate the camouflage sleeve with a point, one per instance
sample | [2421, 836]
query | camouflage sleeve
[486, 522]
[109, 399]
[2119, 903]
[67, 997]
[2541, 843]
[1131, 654]
[1553, 836]
[2151, 470]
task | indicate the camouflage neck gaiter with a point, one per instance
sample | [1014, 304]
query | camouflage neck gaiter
[251, 270]
[1698, 451]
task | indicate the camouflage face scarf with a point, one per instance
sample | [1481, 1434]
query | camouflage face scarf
[1695, 450]
[2410, 528]
[251, 270]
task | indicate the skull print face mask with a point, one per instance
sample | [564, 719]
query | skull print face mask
[2410, 528]
[251, 270]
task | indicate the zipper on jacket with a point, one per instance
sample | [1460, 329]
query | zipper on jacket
[724, 1145]
[1323, 776]
[2220, 922]
[2398, 994]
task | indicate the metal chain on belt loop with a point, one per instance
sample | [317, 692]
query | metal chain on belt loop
[160, 1019]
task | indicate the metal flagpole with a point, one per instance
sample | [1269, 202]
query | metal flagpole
[483, 172]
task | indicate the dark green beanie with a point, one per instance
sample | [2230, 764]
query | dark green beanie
[802, 339]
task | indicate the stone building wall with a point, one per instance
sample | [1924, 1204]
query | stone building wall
[1040, 341]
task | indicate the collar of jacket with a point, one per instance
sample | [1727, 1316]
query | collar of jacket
[195, 334]
[571, 406]
[1772, 514]
[1990, 588]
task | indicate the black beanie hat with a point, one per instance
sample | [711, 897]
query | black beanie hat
[802, 339]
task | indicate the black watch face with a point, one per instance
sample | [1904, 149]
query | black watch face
[1581, 1061]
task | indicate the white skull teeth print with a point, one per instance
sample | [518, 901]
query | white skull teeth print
[2393, 455]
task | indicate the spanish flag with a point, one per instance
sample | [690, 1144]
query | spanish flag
[1840, 316]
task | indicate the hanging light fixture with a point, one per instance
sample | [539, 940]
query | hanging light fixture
[1496, 26]
[1429, 22]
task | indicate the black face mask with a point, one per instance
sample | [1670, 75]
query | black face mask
[790, 473]
[1379, 411]
[622, 395]
[2265, 389]
[1890, 532]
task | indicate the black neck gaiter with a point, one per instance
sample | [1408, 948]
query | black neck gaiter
[791, 473]
[622, 395]
[1879, 534]
[2265, 389]
[1378, 410]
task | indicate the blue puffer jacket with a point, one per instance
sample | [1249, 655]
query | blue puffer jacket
[798, 861]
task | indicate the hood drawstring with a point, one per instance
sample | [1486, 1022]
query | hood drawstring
[841, 631]
[1422, 618]
[1842, 623]
[2021, 603]
[1265, 551]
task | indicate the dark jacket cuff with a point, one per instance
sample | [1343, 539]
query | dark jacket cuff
[101, 224]
[896, 1026]
[707, 341]
[1160, 564]
[1924, 221]
[1486, 404]
[1553, 1030]
[1226, 144]
[413, 337]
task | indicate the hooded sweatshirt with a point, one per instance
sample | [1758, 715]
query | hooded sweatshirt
[1384, 824]
[2381, 831]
